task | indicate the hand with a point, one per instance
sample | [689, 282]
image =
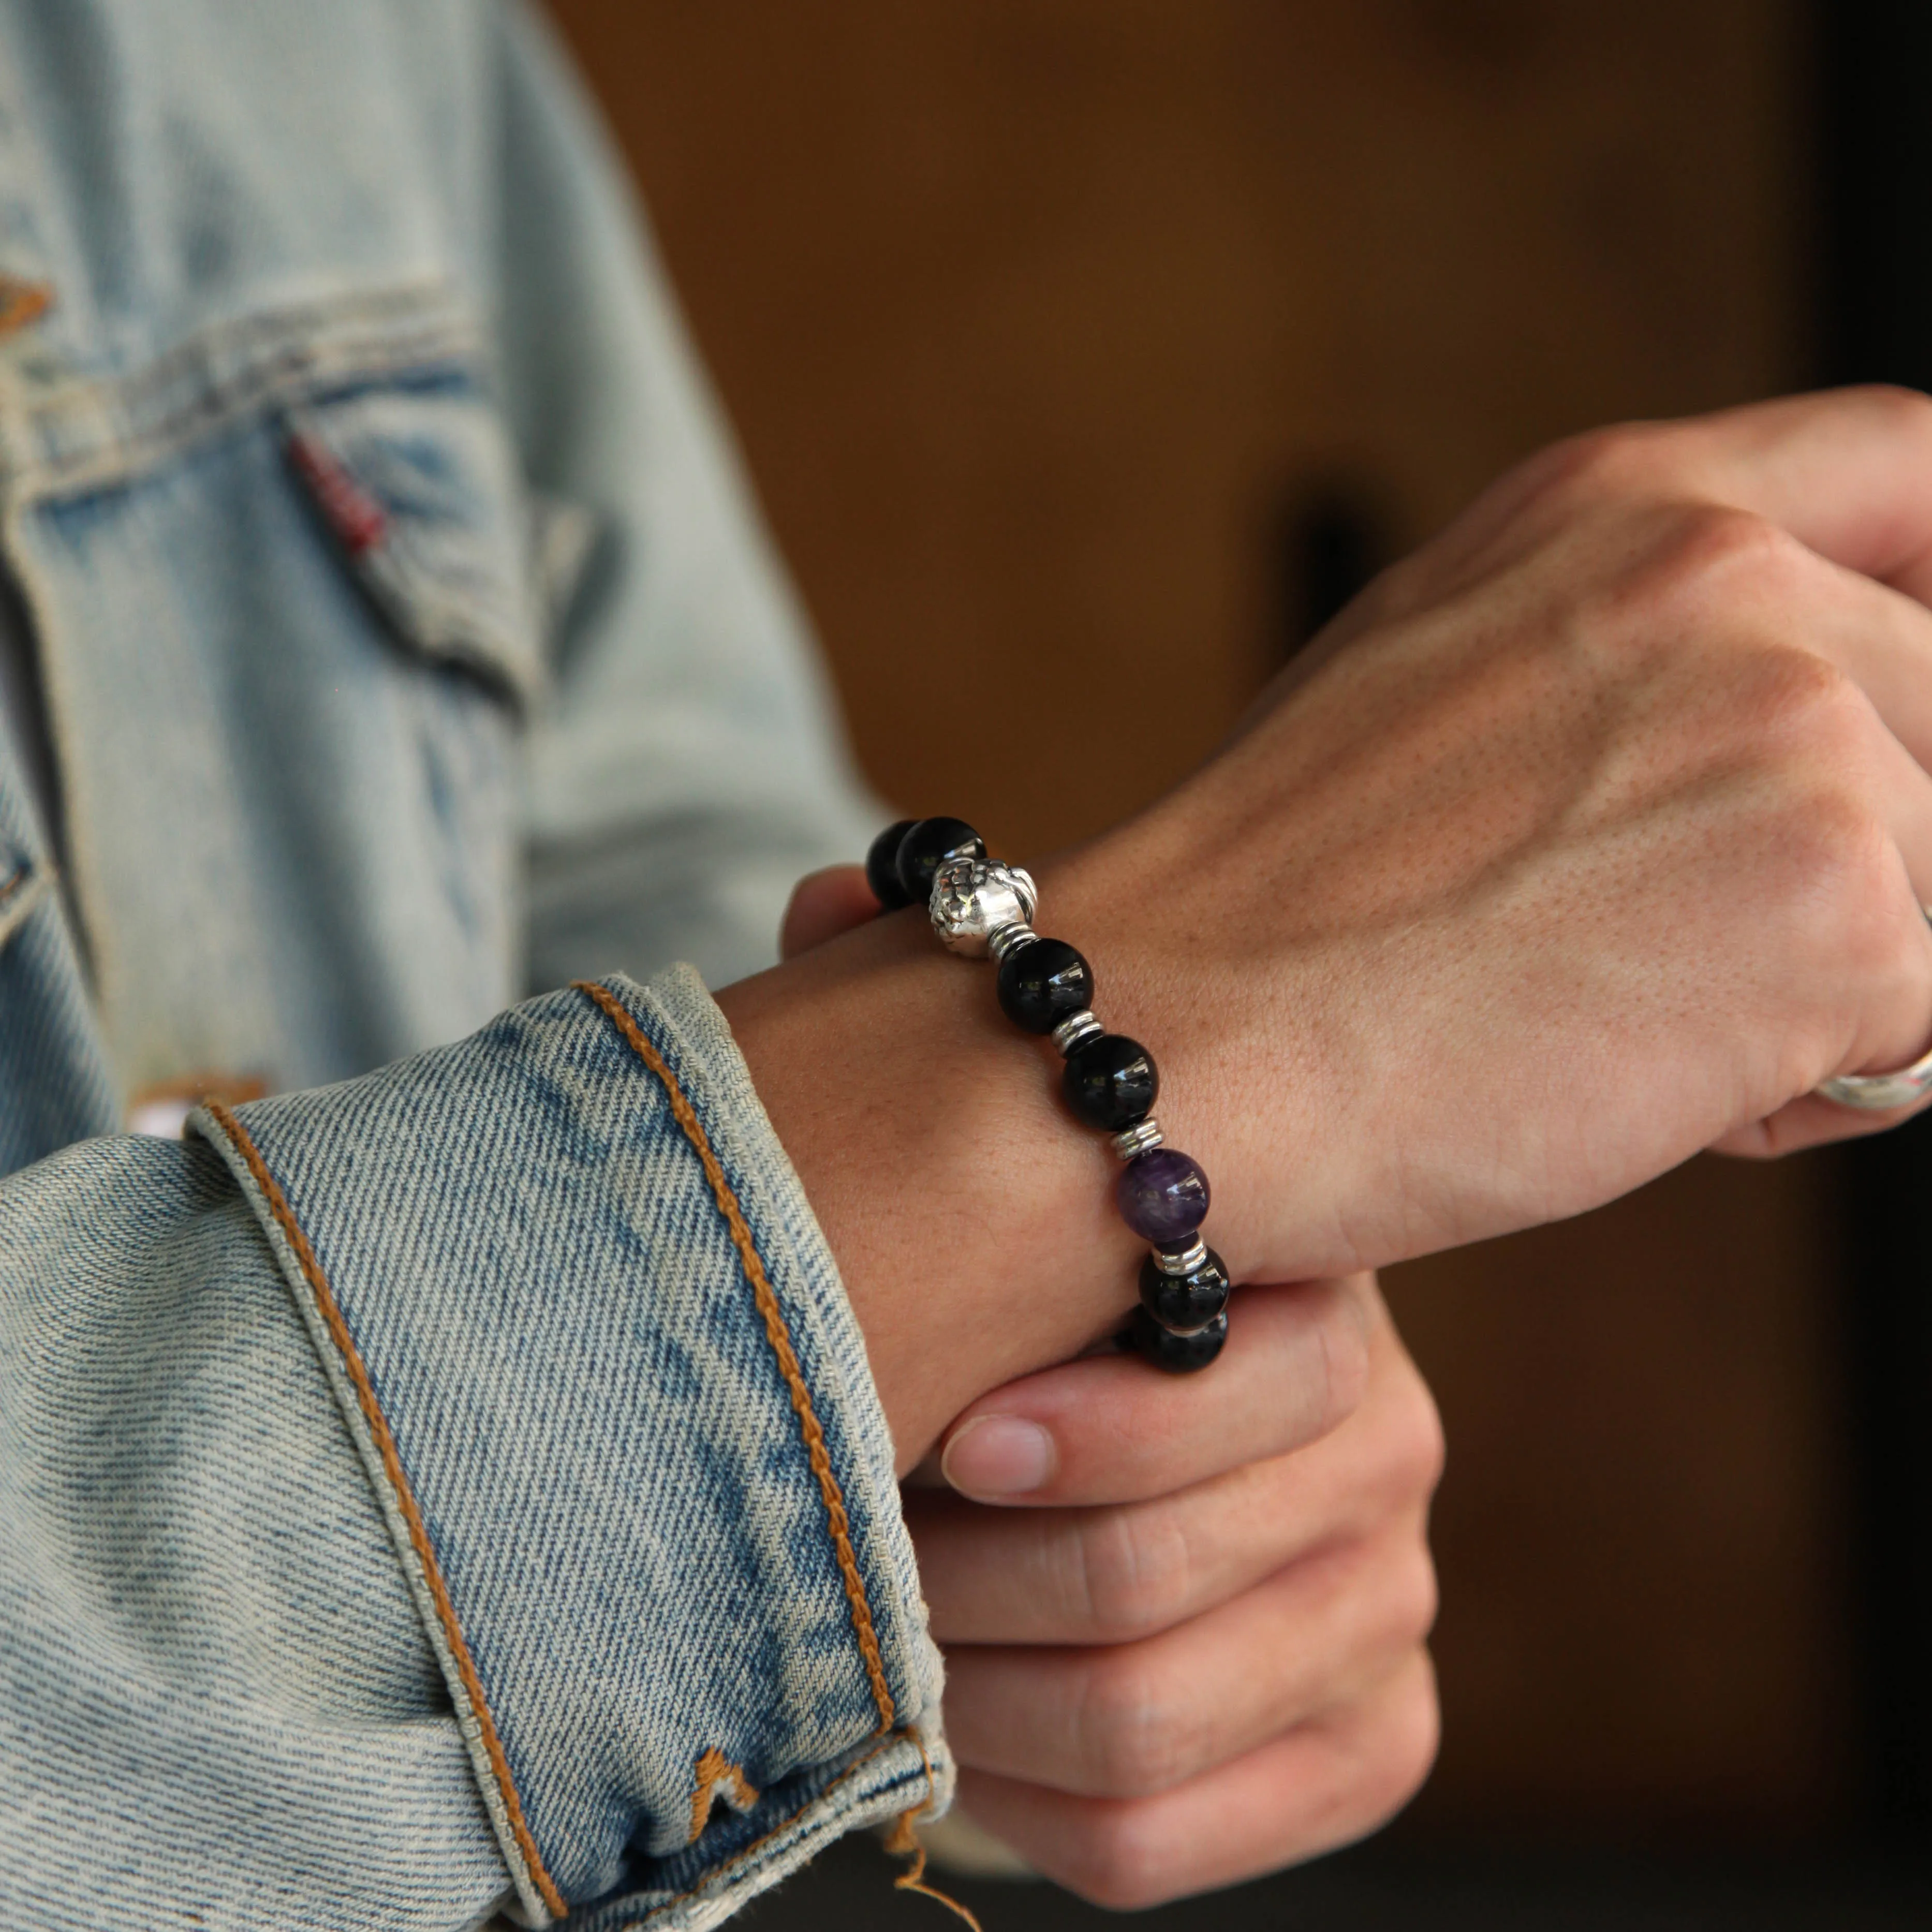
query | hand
[1595, 834]
[1183, 1646]
[1203, 1657]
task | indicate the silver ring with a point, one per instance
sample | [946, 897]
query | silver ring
[1881, 1093]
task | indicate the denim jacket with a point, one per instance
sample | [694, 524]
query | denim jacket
[450, 1483]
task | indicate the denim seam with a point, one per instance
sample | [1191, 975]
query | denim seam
[697, 1042]
[784, 1824]
[116, 425]
[777, 1334]
[499, 1787]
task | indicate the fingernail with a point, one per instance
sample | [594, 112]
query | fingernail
[998, 1455]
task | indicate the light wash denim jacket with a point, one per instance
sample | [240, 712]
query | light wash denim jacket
[452, 1484]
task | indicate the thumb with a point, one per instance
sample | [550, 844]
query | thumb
[823, 904]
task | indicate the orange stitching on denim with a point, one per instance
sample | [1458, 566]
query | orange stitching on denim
[22, 302]
[758, 1844]
[778, 1830]
[385, 1446]
[776, 1332]
[712, 1771]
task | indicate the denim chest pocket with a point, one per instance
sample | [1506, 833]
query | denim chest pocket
[289, 581]
[420, 492]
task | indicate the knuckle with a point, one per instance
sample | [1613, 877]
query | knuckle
[1135, 1569]
[1412, 1737]
[1795, 701]
[1417, 1449]
[1845, 845]
[1343, 1334]
[1897, 410]
[1848, 931]
[1721, 542]
[1417, 1596]
[1599, 466]
[1132, 1740]
[1697, 555]
[1396, 1602]
[1842, 882]
[1119, 1858]
[1124, 1854]
[1877, 943]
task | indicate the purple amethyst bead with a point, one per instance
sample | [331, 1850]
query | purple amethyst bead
[1162, 1195]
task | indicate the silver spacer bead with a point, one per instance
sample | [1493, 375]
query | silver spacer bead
[1138, 1138]
[1194, 1255]
[1075, 1027]
[973, 898]
[1006, 939]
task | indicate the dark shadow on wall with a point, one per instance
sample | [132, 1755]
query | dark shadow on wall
[1875, 324]
[1334, 536]
[1888, 1208]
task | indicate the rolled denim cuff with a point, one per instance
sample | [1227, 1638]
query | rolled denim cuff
[598, 1360]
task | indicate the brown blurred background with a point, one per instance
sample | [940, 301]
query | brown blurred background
[1094, 352]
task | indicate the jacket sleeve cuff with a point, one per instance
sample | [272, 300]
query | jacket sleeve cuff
[596, 1354]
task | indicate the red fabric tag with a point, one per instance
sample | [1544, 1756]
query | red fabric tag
[359, 522]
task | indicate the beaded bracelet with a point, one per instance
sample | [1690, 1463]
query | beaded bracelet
[983, 909]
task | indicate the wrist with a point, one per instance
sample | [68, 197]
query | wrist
[1263, 1049]
[970, 1218]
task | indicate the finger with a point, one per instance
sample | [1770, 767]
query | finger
[1126, 1720]
[1847, 472]
[1896, 947]
[1859, 834]
[1808, 1122]
[1881, 640]
[1113, 1573]
[1321, 1786]
[1904, 793]
[823, 904]
[1108, 1429]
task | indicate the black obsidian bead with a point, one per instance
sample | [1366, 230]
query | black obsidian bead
[1111, 1081]
[1043, 983]
[926, 847]
[1179, 1354]
[882, 865]
[1185, 1302]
